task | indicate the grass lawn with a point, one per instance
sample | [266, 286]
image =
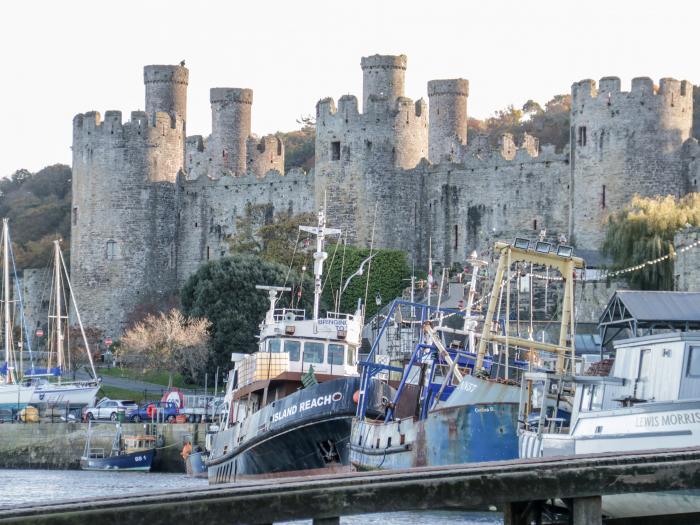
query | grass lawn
[121, 393]
[158, 378]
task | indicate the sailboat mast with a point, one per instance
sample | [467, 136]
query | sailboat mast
[57, 302]
[6, 284]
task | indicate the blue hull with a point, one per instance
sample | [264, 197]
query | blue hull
[459, 434]
[136, 461]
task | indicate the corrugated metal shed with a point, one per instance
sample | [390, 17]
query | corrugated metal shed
[661, 306]
[632, 313]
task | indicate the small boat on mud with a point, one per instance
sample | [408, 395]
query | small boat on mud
[129, 452]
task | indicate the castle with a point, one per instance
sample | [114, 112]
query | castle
[151, 204]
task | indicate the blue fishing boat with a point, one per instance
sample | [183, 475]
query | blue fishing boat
[128, 452]
[456, 399]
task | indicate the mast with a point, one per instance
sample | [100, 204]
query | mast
[57, 302]
[319, 255]
[6, 284]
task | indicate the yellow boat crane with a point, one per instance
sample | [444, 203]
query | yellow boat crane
[539, 254]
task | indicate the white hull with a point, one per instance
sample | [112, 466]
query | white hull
[15, 396]
[646, 426]
[72, 394]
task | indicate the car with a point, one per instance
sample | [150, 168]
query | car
[110, 408]
[165, 410]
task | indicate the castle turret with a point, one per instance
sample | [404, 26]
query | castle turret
[624, 143]
[166, 90]
[448, 118]
[383, 77]
[230, 127]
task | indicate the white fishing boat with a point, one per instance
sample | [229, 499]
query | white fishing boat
[13, 395]
[50, 388]
[651, 400]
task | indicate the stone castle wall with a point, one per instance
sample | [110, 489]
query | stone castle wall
[151, 205]
[687, 263]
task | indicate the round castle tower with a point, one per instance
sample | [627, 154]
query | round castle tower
[448, 118]
[357, 152]
[383, 76]
[166, 90]
[230, 127]
[123, 225]
[624, 143]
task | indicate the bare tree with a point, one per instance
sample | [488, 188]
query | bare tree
[170, 342]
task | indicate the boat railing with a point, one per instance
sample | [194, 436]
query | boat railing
[289, 314]
[96, 453]
[340, 315]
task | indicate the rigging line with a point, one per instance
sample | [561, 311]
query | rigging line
[342, 271]
[371, 248]
[291, 264]
[330, 266]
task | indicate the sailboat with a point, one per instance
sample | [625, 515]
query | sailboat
[73, 393]
[13, 395]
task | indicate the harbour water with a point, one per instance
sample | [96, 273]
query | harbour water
[24, 487]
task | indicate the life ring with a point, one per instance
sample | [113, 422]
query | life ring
[151, 411]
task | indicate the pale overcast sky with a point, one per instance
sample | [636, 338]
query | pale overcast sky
[65, 57]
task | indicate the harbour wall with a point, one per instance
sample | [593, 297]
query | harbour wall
[60, 445]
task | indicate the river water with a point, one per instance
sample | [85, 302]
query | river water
[24, 487]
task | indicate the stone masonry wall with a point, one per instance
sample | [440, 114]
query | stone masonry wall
[687, 264]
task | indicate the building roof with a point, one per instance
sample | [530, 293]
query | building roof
[661, 306]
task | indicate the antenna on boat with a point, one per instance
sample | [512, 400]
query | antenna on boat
[319, 255]
[272, 294]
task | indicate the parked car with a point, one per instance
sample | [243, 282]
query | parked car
[109, 408]
[161, 410]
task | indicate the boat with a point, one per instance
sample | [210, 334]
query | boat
[50, 388]
[13, 394]
[129, 452]
[288, 406]
[457, 400]
[647, 398]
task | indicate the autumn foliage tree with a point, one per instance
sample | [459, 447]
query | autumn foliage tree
[170, 342]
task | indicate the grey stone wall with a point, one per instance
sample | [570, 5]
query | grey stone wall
[36, 287]
[624, 143]
[687, 263]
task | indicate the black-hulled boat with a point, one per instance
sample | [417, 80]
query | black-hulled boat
[128, 453]
[289, 406]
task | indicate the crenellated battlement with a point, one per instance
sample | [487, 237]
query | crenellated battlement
[670, 93]
[91, 123]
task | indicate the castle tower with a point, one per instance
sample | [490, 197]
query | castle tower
[383, 77]
[624, 143]
[230, 127]
[166, 90]
[448, 118]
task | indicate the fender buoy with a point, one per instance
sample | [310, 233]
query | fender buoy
[356, 397]
[151, 411]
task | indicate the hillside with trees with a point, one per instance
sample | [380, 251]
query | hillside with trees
[38, 206]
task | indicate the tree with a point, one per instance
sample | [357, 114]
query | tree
[224, 292]
[77, 354]
[387, 277]
[170, 342]
[644, 231]
[300, 145]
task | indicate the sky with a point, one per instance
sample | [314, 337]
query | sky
[66, 57]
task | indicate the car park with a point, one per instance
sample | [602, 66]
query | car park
[110, 409]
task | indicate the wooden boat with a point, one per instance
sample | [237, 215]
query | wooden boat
[129, 452]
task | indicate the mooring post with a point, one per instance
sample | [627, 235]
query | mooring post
[326, 521]
[588, 511]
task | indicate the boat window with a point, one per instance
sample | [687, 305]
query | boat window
[351, 356]
[313, 352]
[293, 348]
[693, 362]
[336, 353]
[274, 346]
[592, 398]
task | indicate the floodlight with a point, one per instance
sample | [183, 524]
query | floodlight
[521, 243]
[564, 251]
[542, 247]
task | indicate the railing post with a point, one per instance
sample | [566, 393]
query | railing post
[588, 511]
